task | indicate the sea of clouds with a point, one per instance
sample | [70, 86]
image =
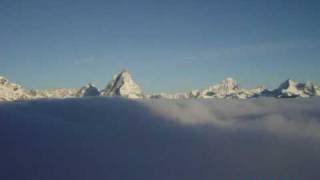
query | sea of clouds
[116, 138]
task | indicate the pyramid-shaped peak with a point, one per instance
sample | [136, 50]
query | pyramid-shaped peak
[124, 71]
[124, 75]
[122, 84]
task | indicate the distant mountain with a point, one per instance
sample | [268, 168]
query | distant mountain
[11, 91]
[122, 84]
[226, 89]
[53, 93]
[291, 89]
[88, 90]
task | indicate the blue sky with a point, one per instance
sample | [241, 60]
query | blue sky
[166, 45]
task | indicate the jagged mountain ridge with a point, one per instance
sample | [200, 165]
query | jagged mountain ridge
[226, 89]
[53, 93]
[291, 89]
[122, 84]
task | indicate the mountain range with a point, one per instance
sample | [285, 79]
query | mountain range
[123, 85]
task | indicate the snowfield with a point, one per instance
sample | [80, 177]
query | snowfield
[99, 138]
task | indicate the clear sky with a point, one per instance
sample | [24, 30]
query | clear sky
[167, 45]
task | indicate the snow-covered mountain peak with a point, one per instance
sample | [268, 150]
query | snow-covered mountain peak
[3, 80]
[125, 76]
[229, 79]
[291, 88]
[229, 83]
[226, 86]
[310, 87]
[122, 84]
[88, 90]
[11, 91]
[289, 83]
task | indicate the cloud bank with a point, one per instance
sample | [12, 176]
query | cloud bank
[114, 138]
[285, 117]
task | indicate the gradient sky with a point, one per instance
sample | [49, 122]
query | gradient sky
[167, 45]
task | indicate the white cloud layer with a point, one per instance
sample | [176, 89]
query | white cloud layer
[298, 117]
[111, 138]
